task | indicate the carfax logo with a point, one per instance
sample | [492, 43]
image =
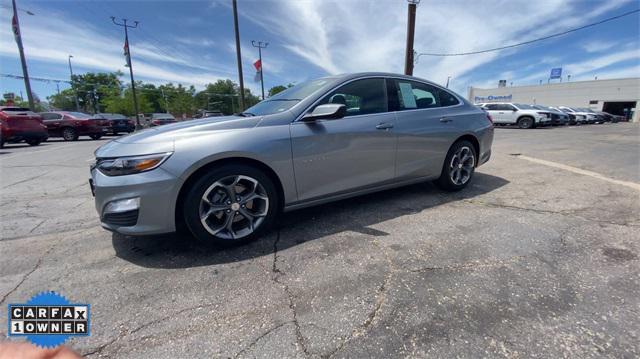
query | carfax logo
[48, 319]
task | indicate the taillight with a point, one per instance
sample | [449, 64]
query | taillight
[156, 122]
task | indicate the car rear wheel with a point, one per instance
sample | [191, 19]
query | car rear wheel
[34, 142]
[525, 122]
[459, 166]
[231, 205]
[69, 134]
[95, 137]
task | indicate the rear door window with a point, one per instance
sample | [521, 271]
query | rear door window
[416, 95]
[447, 98]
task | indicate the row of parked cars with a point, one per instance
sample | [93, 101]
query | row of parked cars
[19, 124]
[531, 116]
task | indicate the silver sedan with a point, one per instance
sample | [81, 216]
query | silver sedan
[227, 178]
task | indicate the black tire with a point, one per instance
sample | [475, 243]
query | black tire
[34, 142]
[445, 181]
[192, 206]
[69, 134]
[526, 122]
[115, 133]
[95, 137]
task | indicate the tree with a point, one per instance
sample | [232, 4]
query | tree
[65, 100]
[277, 89]
[94, 89]
[123, 104]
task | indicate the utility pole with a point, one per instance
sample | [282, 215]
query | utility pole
[260, 45]
[411, 27]
[71, 78]
[238, 54]
[18, 36]
[165, 99]
[128, 53]
[448, 78]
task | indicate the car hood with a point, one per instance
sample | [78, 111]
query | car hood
[189, 128]
[162, 138]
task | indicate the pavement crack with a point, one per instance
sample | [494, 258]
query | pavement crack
[277, 273]
[26, 276]
[381, 297]
[256, 340]
[473, 265]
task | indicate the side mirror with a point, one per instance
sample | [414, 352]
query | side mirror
[330, 111]
[514, 109]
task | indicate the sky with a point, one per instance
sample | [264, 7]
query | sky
[192, 42]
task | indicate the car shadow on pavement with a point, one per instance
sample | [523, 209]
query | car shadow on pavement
[355, 214]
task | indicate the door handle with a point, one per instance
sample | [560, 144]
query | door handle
[444, 119]
[384, 126]
[502, 113]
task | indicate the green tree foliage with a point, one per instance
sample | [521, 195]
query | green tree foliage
[104, 92]
[277, 89]
[123, 104]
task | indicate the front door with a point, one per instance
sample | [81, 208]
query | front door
[333, 156]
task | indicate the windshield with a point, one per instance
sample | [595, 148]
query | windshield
[524, 107]
[79, 115]
[18, 111]
[286, 99]
[112, 116]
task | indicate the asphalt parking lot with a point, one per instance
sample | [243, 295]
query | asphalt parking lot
[537, 258]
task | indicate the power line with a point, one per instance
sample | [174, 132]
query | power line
[534, 40]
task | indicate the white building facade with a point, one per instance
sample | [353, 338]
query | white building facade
[617, 96]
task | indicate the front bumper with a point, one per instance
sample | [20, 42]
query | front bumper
[157, 192]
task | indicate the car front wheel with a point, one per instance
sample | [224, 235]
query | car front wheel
[231, 205]
[69, 134]
[459, 166]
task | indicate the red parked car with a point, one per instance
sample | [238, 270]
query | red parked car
[20, 124]
[71, 125]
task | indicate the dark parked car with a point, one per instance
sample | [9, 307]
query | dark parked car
[116, 123]
[158, 119]
[558, 118]
[71, 125]
[611, 117]
[20, 124]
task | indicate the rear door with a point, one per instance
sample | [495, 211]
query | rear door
[426, 127]
[356, 151]
[496, 114]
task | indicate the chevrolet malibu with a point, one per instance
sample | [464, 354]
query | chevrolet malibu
[225, 179]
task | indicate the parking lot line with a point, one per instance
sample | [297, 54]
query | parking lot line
[30, 152]
[577, 170]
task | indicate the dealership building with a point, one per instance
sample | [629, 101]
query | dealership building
[617, 96]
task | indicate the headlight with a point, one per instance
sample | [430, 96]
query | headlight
[129, 165]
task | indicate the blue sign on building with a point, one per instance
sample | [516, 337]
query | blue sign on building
[556, 73]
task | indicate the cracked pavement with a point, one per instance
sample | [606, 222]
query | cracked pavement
[529, 261]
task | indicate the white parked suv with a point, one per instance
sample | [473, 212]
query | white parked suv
[525, 116]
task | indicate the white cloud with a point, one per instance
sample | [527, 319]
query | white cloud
[52, 38]
[598, 45]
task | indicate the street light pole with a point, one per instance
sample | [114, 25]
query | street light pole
[238, 53]
[23, 60]
[133, 83]
[74, 91]
[411, 27]
[260, 45]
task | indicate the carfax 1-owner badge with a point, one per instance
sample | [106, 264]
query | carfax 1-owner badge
[48, 319]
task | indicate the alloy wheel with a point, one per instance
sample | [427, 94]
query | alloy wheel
[233, 207]
[461, 166]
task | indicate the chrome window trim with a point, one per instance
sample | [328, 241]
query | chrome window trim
[460, 101]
